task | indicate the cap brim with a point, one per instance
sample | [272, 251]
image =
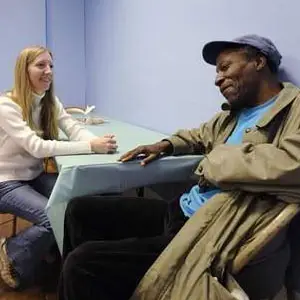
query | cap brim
[212, 50]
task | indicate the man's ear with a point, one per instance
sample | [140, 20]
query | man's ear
[261, 62]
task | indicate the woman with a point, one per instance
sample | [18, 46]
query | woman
[30, 119]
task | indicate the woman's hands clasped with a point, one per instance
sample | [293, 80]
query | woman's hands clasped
[105, 144]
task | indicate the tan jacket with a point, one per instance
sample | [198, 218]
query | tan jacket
[258, 177]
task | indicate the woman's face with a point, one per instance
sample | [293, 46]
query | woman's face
[40, 73]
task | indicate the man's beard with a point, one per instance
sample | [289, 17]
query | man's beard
[237, 105]
[244, 100]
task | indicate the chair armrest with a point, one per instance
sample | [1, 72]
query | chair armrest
[264, 237]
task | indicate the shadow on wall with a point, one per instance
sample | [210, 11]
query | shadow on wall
[290, 70]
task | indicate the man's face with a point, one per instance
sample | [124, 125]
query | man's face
[237, 77]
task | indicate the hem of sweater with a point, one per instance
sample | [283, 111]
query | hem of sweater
[4, 178]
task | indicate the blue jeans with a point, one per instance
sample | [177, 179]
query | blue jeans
[28, 199]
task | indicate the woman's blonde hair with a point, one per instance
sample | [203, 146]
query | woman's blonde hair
[22, 94]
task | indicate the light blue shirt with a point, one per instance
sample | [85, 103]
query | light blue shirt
[248, 118]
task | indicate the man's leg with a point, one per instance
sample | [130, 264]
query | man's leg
[108, 270]
[293, 272]
[126, 234]
[264, 276]
[111, 218]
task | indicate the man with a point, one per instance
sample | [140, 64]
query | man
[251, 162]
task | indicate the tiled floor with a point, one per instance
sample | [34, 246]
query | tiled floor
[35, 293]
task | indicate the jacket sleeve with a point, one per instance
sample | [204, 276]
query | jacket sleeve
[254, 168]
[196, 140]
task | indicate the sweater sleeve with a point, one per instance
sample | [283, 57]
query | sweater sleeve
[72, 128]
[11, 121]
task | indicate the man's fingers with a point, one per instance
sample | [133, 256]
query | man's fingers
[148, 159]
[129, 155]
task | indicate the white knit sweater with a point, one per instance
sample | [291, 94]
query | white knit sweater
[22, 150]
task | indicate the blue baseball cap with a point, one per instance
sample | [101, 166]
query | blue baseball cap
[264, 45]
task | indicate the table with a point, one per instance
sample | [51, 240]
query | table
[81, 175]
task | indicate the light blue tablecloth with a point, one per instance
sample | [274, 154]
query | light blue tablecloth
[101, 173]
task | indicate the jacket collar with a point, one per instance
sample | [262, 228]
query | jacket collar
[285, 97]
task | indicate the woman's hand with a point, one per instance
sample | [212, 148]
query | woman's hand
[105, 144]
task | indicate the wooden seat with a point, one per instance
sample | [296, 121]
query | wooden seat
[264, 237]
[14, 223]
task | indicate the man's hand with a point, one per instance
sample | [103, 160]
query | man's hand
[105, 144]
[150, 152]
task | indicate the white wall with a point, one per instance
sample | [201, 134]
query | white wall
[58, 24]
[22, 23]
[65, 34]
[140, 60]
[143, 57]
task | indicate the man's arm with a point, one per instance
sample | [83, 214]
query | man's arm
[195, 141]
[255, 168]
